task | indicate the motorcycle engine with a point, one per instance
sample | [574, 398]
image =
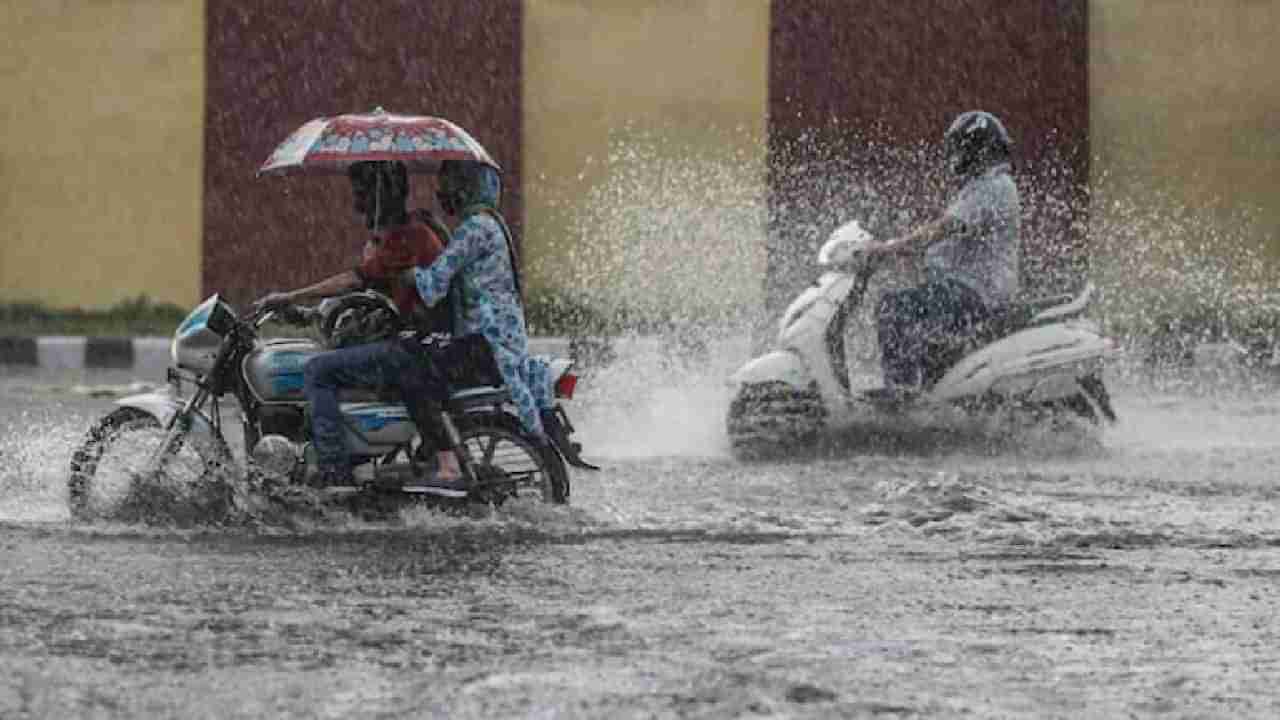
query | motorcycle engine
[276, 454]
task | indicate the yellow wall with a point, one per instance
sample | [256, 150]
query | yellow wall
[608, 205]
[1185, 113]
[100, 150]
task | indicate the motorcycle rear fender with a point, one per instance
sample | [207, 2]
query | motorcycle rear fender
[778, 366]
[163, 407]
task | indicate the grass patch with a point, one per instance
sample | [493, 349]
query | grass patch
[131, 318]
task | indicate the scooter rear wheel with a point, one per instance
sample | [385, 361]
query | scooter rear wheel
[1095, 393]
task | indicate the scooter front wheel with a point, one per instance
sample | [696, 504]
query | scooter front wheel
[773, 418]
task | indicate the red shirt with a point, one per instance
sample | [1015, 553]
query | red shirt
[389, 252]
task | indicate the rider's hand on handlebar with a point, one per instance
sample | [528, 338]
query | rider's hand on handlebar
[876, 249]
[272, 301]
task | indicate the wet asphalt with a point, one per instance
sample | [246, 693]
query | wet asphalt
[920, 568]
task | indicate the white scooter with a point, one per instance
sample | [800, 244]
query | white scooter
[1040, 353]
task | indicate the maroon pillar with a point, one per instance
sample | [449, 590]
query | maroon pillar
[272, 65]
[860, 94]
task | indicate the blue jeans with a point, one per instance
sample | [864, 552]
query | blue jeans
[388, 364]
[925, 329]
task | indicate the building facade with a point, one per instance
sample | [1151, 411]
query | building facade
[653, 150]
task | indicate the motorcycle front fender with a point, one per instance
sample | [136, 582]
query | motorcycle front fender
[163, 407]
[778, 366]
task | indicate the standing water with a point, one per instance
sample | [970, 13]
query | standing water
[927, 564]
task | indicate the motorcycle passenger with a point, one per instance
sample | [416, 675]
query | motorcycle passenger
[380, 192]
[972, 254]
[481, 263]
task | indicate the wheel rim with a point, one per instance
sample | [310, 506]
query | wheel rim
[508, 465]
[110, 481]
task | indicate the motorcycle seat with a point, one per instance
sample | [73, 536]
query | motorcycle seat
[366, 395]
[480, 395]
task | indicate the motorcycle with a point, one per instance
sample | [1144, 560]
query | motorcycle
[1039, 353]
[219, 354]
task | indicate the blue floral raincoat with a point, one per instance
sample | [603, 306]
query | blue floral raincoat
[486, 302]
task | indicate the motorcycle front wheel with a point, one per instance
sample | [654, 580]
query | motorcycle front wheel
[109, 480]
[509, 465]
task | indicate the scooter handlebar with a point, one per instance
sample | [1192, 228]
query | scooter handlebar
[846, 246]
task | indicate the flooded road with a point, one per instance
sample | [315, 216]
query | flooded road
[922, 567]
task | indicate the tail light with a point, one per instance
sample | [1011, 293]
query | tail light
[566, 385]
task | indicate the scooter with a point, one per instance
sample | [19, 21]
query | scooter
[1040, 353]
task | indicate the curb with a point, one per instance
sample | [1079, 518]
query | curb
[67, 352]
[142, 354]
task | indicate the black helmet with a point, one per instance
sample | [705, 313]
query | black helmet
[976, 141]
[381, 190]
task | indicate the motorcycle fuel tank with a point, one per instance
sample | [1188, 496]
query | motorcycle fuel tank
[273, 371]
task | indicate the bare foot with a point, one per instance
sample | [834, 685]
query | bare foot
[449, 470]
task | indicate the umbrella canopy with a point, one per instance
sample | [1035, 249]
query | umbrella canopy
[332, 144]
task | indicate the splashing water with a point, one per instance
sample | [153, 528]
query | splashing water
[35, 450]
[669, 241]
[675, 265]
[1176, 276]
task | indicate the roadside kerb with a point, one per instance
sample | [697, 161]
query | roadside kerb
[146, 355]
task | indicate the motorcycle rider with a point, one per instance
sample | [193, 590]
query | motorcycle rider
[972, 254]
[481, 263]
[380, 192]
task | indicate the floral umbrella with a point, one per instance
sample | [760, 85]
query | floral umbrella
[332, 144]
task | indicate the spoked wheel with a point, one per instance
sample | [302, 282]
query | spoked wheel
[508, 465]
[110, 481]
[768, 419]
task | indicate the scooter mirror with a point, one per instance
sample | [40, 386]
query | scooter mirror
[844, 244]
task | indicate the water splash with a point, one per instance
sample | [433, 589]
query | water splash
[1176, 276]
[35, 452]
[671, 239]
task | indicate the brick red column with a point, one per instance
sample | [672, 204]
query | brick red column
[858, 93]
[273, 65]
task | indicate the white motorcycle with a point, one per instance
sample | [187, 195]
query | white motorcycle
[1040, 353]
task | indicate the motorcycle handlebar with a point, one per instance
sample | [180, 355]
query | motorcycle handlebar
[288, 314]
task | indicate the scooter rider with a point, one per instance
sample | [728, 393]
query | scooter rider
[972, 253]
[481, 263]
[380, 193]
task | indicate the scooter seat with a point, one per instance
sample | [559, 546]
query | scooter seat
[1030, 312]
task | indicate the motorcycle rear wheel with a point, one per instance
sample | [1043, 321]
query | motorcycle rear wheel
[510, 465]
[107, 483]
